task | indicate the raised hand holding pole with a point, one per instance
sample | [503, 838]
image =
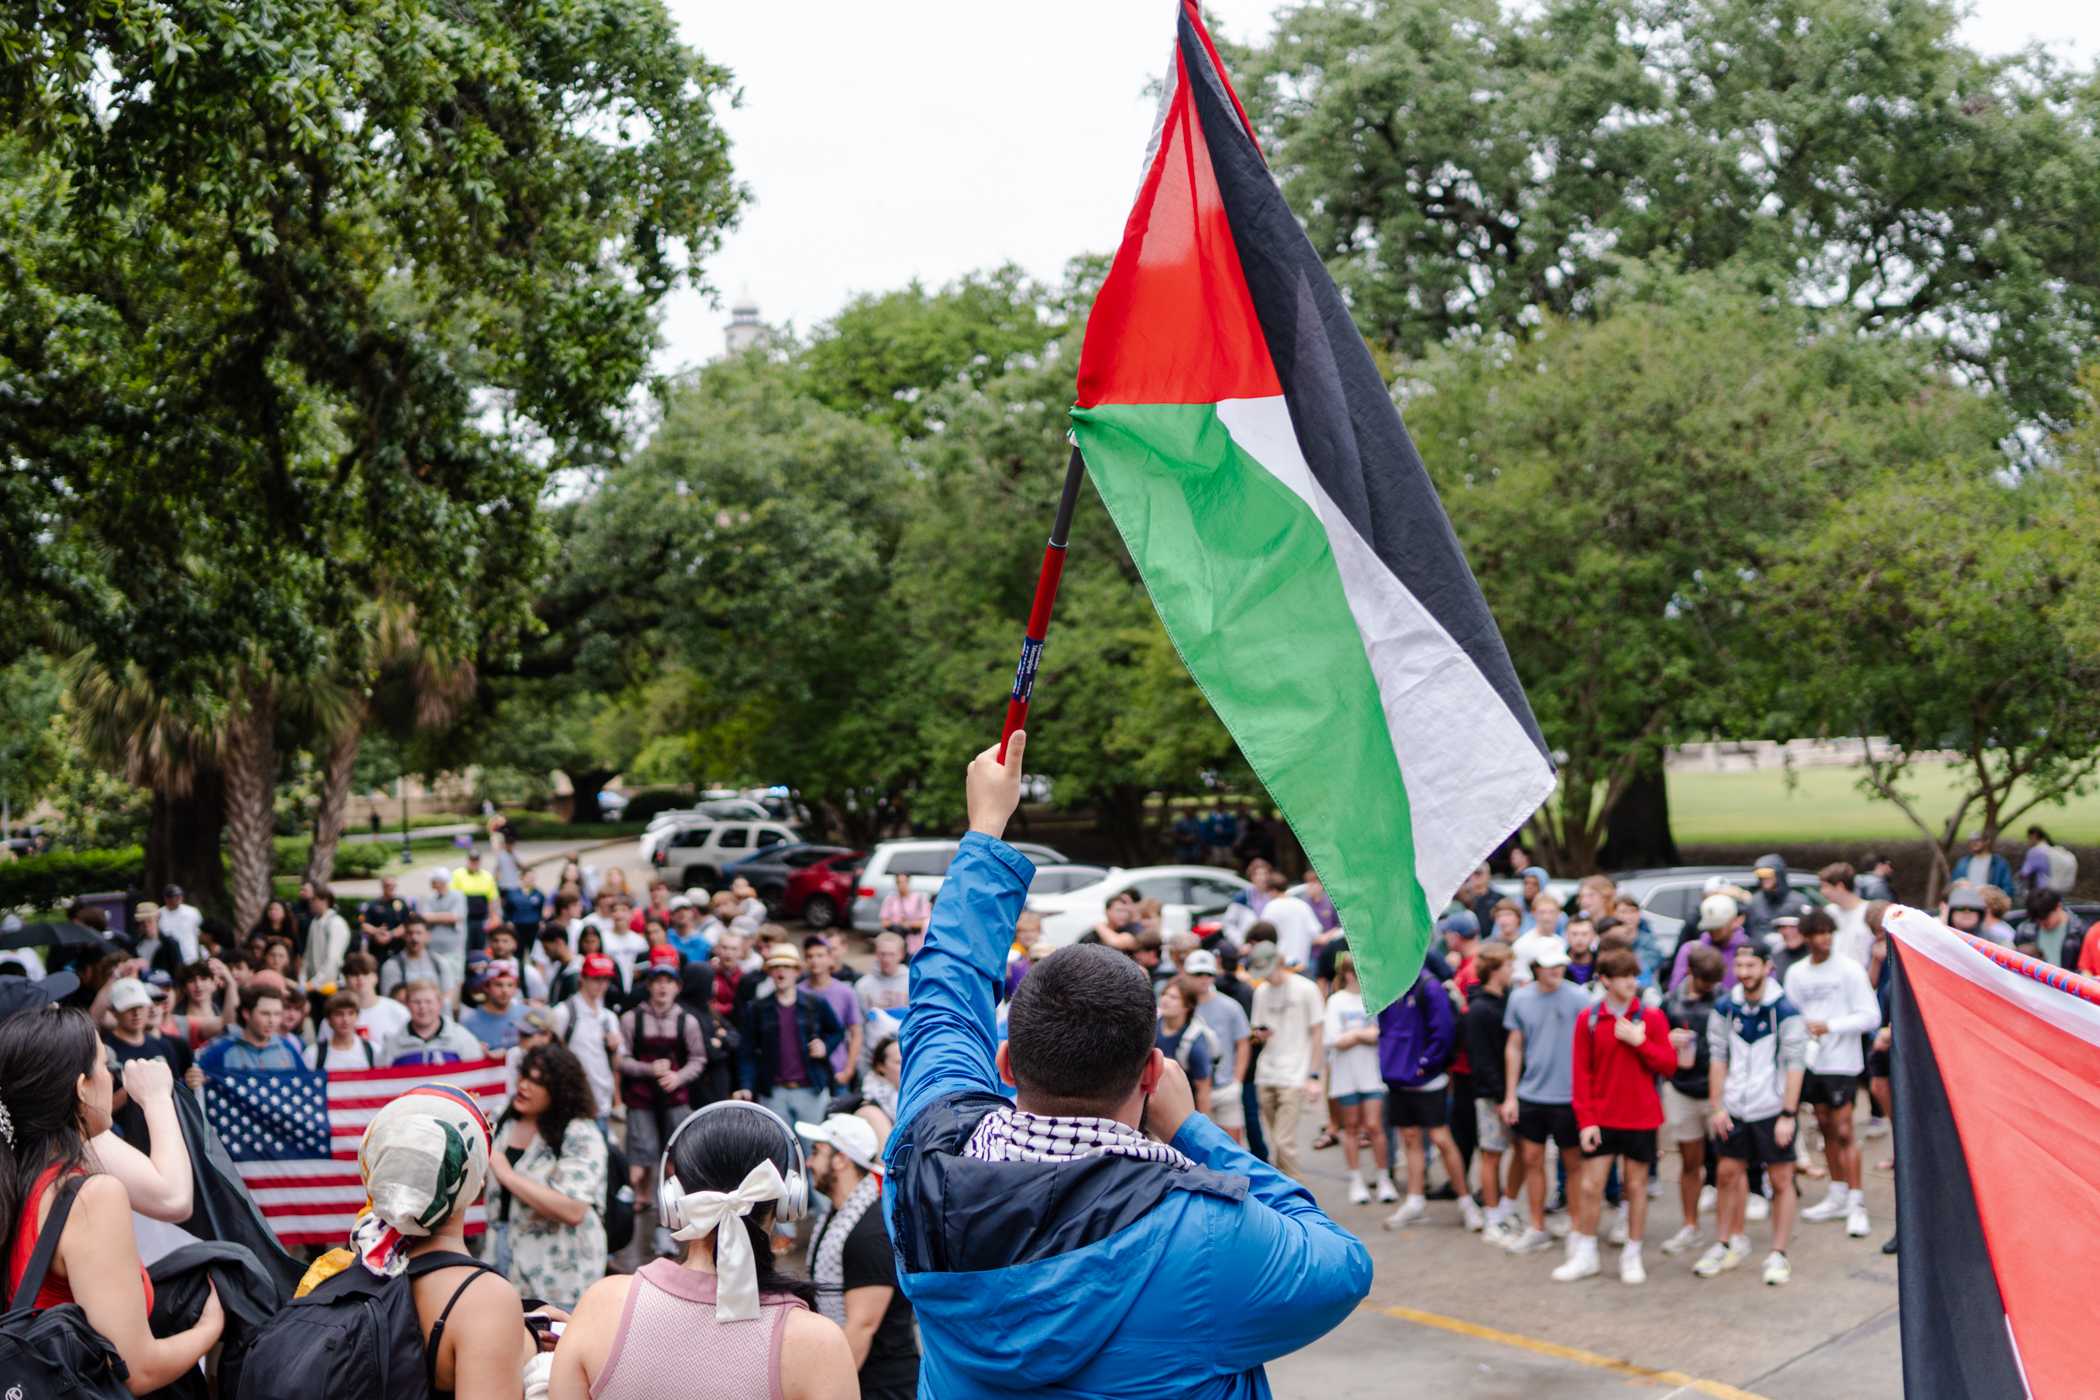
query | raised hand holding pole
[1045, 599]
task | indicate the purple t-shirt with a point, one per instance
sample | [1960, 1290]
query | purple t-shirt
[792, 1069]
[846, 1006]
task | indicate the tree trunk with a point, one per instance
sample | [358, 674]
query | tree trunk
[1120, 816]
[250, 759]
[182, 843]
[1637, 834]
[588, 784]
[334, 807]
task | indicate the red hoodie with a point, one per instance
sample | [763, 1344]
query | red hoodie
[1614, 1081]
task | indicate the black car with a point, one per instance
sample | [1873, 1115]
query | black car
[768, 870]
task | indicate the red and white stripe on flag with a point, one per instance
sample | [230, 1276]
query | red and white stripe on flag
[315, 1200]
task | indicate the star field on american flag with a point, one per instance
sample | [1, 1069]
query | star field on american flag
[271, 1115]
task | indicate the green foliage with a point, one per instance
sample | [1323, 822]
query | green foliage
[1464, 164]
[32, 731]
[1622, 486]
[51, 880]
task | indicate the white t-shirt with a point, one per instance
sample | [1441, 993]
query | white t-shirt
[1526, 949]
[181, 924]
[573, 1027]
[327, 1056]
[1354, 1069]
[1836, 993]
[1290, 1011]
[1296, 927]
[381, 1019]
[627, 948]
[1853, 939]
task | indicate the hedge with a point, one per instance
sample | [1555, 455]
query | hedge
[51, 880]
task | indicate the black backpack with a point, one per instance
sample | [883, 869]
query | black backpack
[618, 1212]
[354, 1337]
[55, 1351]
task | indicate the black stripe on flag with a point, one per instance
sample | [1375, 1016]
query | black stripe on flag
[1347, 427]
[1955, 1341]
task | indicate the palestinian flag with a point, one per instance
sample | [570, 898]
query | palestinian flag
[1996, 1076]
[1250, 454]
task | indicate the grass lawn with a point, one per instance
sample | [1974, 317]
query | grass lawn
[1826, 804]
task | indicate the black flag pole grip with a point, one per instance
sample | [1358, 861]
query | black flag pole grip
[1045, 599]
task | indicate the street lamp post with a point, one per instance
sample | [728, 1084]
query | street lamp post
[401, 784]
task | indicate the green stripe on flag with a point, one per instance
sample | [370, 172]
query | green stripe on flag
[1243, 575]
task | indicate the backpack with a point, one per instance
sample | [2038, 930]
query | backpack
[354, 1337]
[55, 1351]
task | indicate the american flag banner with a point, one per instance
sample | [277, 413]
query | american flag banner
[294, 1135]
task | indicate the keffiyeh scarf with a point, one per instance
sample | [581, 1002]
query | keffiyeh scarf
[1016, 1135]
[880, 1092]
[828, 1266]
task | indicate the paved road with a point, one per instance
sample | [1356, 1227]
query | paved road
[1450, 1316]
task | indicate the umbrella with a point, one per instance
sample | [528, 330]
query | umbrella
[65, 935]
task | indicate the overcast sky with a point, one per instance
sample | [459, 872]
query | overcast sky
[932, 137]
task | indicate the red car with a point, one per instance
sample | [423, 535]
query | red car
[822, 891]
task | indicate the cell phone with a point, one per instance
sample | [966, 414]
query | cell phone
[539, 1322]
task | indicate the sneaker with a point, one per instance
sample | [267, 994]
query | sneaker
[1470, 1209]
[1359, 1194]
[1684, 1239]
[1758, 1208]
[1856, 1224]
[1777, 1270]
[1581, 1264]
[1889, 1246]
[1655, 1187]
[1386, 1194]
[1831, 1207]
[1874, 1127]
[1631, 1269]
[1411, 1210]
[1557, 1225]
[1617, 1233]
[1707, 1197]
[1530, 1241]
[1444, 1192]
[1720, 1258]
[1500, 1232]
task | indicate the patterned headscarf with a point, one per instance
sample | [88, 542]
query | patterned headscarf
[423, 1157]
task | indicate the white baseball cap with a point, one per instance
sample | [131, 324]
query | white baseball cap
[851, 1137]
[1201, 963]
[441, 873]
[1554, 954]
[1717, 911]
[128, 994]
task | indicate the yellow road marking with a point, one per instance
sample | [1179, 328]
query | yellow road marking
[1647, 1375]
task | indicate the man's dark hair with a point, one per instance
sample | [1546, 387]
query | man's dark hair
[1149, 941]
[1817, 921]
[357, 964]
[1704, 963]
[1840, 874]
[813, 942]
[255, 993]
[1263, 932]
[1607, 924]
[325, 895]
[1618, 962]
[1874, 858]
[1081, 1026]
[2042, 903]
[414, 920]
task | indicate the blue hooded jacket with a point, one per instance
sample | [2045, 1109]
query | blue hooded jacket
[1417, 1034]
[1075, 1278]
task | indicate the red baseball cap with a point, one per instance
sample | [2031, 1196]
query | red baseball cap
[664, 955]
[597, 965]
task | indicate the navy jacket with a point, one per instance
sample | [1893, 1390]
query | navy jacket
[759, 1065]
[1060, 1278]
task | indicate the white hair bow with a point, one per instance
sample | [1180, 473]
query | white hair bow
[736, 1270]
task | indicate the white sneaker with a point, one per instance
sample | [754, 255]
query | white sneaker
[1581, 1263]
[1707, 1197]
[1684, 1239]
[1777, 1270]
[1386, 1194]
[1359, 1194]
[1831, 1207]
[1530, 1241]
[1617, 1233]
[1557, 1225]
[1720, 1258]
[1500, 1232]
[1856, 1223]
[1470, 1209]
[1758, 1208]
[1630, 1267]
[1874, 1128]
[1411, 1210]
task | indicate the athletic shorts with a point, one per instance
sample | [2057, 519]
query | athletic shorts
[1536, 1122]
[1636, 1143]
[1352, 1100]
[1684, 1117]
[1829, 1090]
[1227, 1108]
[1492, 1133]
[646, 1136]
[1878, 1064]
[1417, 1108]
[1756, 1142]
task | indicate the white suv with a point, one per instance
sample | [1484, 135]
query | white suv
[693, 852]
[927, 864]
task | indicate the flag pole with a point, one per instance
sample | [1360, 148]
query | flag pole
[1045, 599]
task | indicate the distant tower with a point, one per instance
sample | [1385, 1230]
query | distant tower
[745, 329]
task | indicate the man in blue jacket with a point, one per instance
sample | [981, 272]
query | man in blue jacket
[1050, 1244]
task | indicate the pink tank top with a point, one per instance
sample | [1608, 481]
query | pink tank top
[668, 1335]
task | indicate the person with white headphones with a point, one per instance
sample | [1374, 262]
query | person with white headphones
[729, 1171]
